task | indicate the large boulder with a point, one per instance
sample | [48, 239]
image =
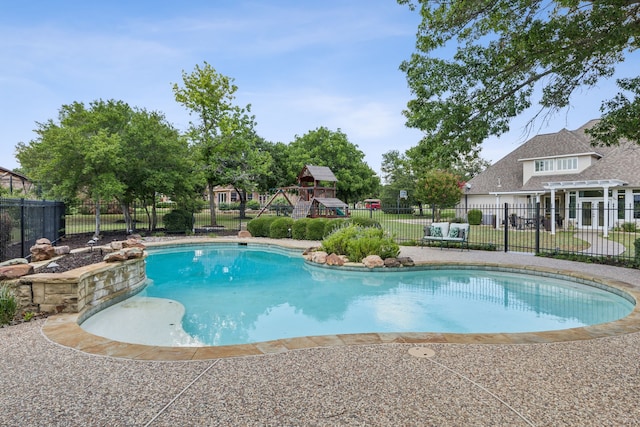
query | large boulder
[406, 261]
[42, 251]
[335, 259]
[392, 262]
[124, 254]
[319, 257]
[373, 261]
[133, 243]
[14, 271]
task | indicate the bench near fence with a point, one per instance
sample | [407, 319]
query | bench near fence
[444, 233]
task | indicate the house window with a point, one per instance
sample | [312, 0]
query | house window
[222, 197]
[592, 193]
[572, 205]
[636, 204]
[544, 165]
[570, 163]
[621, 205]
[234, 196]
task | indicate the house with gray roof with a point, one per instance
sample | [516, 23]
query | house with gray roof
[579, 184]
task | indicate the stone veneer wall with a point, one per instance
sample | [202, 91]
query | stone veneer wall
[80, 290]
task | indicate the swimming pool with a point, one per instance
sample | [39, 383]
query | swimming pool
[228, 294]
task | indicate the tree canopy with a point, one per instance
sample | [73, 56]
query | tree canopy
[222, 133]
[104, 151]
[323, 147]
[504, 51]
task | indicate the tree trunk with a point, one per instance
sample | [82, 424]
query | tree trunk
[96, 233]
[128, 222]
[212, 204]
[243, 203]
[154, 215]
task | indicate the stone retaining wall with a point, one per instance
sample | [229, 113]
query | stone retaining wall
[79, 290]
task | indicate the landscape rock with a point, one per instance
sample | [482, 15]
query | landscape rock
[124, 254]
[392, 262]
[14, 271]
[334, 259]
[42, 251]
[62, 250]
[116, 245]
[14, 261]
[406, 261]
[43, 241]
[309, 251]
[133, 243]
[319, 257]
[244, 234]
[372, 261]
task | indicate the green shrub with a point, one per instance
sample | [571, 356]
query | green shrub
[8, 305]
[234, 206]
[365, 222]
[337, 242]
[636, 244]
[259, 227]
[315, 229]
[474, 216]
[166, 205]
[280, 228]
[334, 224]
[254, 205]
[629, 227]
[178, 221]
[299, 229]
[372, 241]
[357, 242]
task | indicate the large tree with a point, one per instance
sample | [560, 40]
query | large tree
[504, 51]
[209, 97]
[80, 154]
[323, 147]
[157, 161]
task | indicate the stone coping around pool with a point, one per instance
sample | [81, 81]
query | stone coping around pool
[64, 329]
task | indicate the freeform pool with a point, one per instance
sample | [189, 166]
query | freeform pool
[229, 294]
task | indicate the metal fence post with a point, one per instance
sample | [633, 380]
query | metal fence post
[22, 229]
[537, 228]
[506, 227]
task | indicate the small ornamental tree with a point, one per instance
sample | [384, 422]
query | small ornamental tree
[441, 189]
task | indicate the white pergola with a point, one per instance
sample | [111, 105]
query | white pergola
[605, 184]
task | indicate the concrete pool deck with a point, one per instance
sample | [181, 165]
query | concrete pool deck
[587, 376]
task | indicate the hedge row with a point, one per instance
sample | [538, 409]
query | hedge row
[278, 227]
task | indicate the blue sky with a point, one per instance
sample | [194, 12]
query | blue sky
[300, 64]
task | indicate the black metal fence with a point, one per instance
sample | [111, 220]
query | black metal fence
[22, 222]
[596, 231]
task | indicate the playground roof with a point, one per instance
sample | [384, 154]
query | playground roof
[318, 173]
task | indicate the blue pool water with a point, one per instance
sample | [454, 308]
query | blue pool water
[239, 294]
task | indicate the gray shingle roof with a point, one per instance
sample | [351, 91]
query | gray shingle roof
[619, 162]
[331, 202]
[319, 173]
